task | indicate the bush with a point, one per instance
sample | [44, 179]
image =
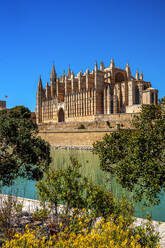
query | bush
[70, 188]
[64, 186]
[41, 214]
[81, 126]
[103, 234]
[75, 224]
[10, 213]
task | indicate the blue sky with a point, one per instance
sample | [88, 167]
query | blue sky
[34, 34]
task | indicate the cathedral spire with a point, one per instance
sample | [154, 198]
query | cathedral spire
[47, 90]
[40, 83]
[87, 70]
[137, 75]
[141, 76]
[72, 74]
[128, 71]
[69, 72]
[102, 66]
[127, 67]
[63, 75]
[96, 66]
[112, 64]
[53, 74]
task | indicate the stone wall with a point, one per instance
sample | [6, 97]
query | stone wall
[136, 108]
[73, 139]
[98, 122]
[83, 133]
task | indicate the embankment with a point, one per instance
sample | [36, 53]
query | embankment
[73, 138]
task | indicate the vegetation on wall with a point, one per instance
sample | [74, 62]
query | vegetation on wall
[81, 126]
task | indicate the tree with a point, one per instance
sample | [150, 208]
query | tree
[136, 157]
[22, 153]
[70, 188]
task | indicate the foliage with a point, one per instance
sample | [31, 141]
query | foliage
[136, 157]
[22, 153]
[148, 236]
[81, 126]
[103, 234]
[102, 203]
[41, 214]
[63, 186]
[9, 208]
[70, 188]
[10, 212]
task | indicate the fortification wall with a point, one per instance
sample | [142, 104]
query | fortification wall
[73, 139]
[93, 122]
[83, 133]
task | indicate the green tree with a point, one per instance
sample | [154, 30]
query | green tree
[136, 157]
[63, 186]
[70, 188]
[22, 152]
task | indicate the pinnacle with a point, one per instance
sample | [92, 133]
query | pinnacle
[69, 72]
[40, 82]
[112, 63]
[53, 73]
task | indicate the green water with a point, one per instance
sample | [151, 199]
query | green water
[90, 168]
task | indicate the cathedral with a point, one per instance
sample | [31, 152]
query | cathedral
[104, 91]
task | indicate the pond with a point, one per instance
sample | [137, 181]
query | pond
[90, 168]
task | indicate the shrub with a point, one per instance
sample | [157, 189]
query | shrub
[70, 188]
[10, 213]
[41, 214]
[103, 234]
[64, 186]
[81, 126]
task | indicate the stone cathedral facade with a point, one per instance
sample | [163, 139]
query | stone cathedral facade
[99, 93]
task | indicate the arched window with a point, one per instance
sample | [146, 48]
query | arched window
[136, 95]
